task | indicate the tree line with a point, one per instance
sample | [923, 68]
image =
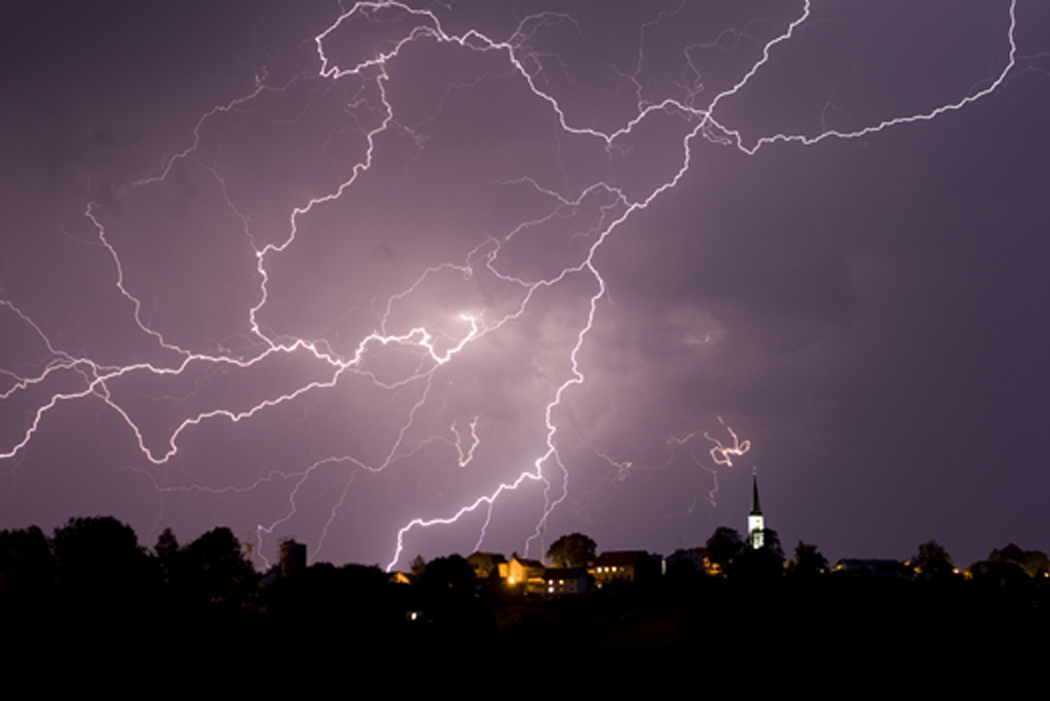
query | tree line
[99, 560]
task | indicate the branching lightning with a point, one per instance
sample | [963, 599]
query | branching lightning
[443, 340]
[723, 454]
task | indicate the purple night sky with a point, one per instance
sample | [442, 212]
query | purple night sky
[302, 276]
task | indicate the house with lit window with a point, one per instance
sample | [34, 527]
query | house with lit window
[623, 566]
[522, 571]
[559, 581]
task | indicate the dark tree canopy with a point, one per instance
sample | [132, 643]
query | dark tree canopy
[724, 545]
[807, 562]
[167, 544]
[933, 560]
[1034, 562]
[448, 586]
[449, 573]
[26, 565]
[355, 596]
[417, 567]
[215, 567]
[100, 557]
[167, 553]
[573, 550]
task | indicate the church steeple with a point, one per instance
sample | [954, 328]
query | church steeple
[756, 523]
[756, 510]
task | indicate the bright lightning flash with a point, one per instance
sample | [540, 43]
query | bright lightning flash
[396, 359]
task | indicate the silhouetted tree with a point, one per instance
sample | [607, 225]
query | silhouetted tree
[449, 592]
[26, 565]
[724, 545]
[100, 558]
[167, 552]
[214, 567]
[933, 560]
[573, 550]
[808, 562]
[449, 577]
[416, 568]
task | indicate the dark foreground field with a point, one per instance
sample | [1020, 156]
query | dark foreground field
[714, 632]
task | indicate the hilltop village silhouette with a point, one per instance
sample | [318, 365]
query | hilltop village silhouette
[93, 578]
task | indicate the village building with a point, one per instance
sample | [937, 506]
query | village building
[622, 566]
[565, 580]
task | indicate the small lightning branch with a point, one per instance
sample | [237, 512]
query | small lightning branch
[723, 454]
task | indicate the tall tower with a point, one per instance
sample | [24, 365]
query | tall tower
[293, 557]
[756, 524]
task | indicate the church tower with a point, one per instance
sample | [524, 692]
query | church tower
[756, 524]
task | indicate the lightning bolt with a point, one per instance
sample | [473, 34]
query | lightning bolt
[723, 454]
[417, 352]
[467, 455]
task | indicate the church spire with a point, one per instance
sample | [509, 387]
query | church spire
[756, 523]
[756, 510]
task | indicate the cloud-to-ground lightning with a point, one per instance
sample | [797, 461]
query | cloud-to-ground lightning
[415, 337]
